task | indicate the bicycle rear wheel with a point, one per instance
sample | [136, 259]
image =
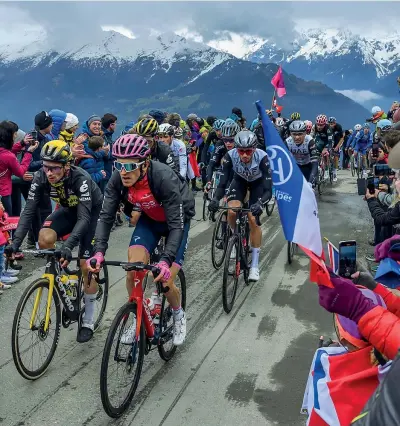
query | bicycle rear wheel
[269, 207]
[26, 367]
[219, 237]
[166, 349]
[228, 297]
[205, 204]
[129, 357]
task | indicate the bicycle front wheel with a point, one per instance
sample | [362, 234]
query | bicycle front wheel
[219, 239]
[231, 273]
[102, 296]
[125, 358]
[352, 167]
[269, 207]
[205, 205]
[29, 341]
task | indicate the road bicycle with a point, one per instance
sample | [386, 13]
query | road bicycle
[209, 195]
[53, 300]
[153, 330]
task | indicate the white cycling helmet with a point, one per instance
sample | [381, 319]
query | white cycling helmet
[375, 110]
[357, 127]
[166, 129]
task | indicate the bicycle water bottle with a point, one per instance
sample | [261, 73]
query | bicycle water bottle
[157, 300]
[150, 305]
[65, 281]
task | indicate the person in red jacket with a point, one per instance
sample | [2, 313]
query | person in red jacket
[9, 164]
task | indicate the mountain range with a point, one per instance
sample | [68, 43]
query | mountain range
[339, 58]
[127, 76]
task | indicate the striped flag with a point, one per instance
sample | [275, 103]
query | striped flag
[333, 254]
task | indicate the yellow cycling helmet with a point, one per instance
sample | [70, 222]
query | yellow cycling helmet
[147, 127]
[57, 151]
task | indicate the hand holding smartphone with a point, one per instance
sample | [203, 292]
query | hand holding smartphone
[347, 258]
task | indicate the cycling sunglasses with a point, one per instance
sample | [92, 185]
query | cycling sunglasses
[228, 140]
[298, 133]
[163, 135]
[247, 151]
[128, 167]
[53, 169]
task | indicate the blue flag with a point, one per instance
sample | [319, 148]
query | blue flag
[297, 205]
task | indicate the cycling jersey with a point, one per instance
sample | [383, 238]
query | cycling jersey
[362, 141]
[76, 192]
[178, 149]
[215, 162]
[323, 138]
[337, 134]
[257, 171]
[305, 154]
[163, 153]
[165, 189]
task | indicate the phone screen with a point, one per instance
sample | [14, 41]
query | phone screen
[347, 258]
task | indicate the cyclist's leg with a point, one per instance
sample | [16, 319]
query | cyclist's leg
[236, 195]
[59, 223]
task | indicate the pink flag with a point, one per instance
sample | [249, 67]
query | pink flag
[278, 83]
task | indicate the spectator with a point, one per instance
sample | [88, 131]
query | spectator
[395, 106]
[108, 124]
[58, 118]
[94, 164]
[9, 164]
[71, 126]
[158, 115]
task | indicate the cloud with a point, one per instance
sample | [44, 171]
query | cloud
[360, 96]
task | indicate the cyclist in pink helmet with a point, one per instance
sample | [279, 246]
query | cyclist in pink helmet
[166, 205]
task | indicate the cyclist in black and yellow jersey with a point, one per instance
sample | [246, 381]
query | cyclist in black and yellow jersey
[79, 200]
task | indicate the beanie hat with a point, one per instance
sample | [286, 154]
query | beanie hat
[43, 120]
[71, 121]
[93, 118]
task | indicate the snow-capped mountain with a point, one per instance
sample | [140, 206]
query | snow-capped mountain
[338, 58]
[125, 75]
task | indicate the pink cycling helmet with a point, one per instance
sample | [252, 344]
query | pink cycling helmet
[131, 146]
[321, 120]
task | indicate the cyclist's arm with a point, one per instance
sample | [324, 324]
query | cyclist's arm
[206, 146]
[30, 209]
[266, 179]
[214, 162]
[111, 201]
[370, 141]
[313, 160]
[183, 160]
[83, 213]
[166, 156]
[224, 177]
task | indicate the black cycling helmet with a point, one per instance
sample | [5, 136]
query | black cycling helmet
[237, 111]
[298, 126]
[332, 120]
[211, 120]
[246, 139]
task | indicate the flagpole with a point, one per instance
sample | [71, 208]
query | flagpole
[273, 97]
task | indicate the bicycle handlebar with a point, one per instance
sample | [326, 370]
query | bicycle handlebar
[235, 209]
[57, 254]
[131, 266]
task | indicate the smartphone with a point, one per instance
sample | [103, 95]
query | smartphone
[372, 184]
[382, 170]
[34, 134]
[347, 258]
[361, 186]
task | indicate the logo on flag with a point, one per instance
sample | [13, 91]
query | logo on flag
[281, 164]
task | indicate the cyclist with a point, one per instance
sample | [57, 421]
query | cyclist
[167, 207]
[304, 151]
[80, 200]
[148, 128]
[362, 143]
[323, 137]
[166, 133]
[251, 173]
[338, 138]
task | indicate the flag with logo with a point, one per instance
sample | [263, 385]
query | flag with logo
[339, 385]
[333, 254]
[278, 82]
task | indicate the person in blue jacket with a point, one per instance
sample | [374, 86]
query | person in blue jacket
[362, 143]
[94, 164]
[59, 123]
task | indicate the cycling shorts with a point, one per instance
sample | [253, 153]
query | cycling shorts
[239, 187]
[306, 170]
[62, 221]
[148, 232]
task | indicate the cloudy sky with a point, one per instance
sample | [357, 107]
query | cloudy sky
[228, 25]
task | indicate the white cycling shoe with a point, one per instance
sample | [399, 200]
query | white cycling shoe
[179, 330]
[254, 274]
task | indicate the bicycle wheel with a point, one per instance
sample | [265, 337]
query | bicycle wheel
[219, 237]
[102, 296]
[166, 349]
[291, 247]
[128, 357]
[229, 299]
[205, 204]
[39, 289]
[352, 167]
[246, 255]
[269, 207]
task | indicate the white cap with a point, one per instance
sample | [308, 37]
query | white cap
[71, 120]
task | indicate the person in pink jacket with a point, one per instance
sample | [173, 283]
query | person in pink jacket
[9, 164]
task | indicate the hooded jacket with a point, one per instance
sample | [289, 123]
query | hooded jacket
[9, 166]
[58, 117]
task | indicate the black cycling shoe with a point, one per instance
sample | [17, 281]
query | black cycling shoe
[84, 335]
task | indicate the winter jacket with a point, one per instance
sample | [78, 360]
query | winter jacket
[58, 117]
[9, 166]
[382, 217]
[108, 162]
[67, 137]
[93, 165]
[36, 162]
[168, 190]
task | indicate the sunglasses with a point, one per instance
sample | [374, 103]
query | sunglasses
[128, 167]
[163, 135]
[245, 151]
[228, 140]
[53, 169]
[297, 133]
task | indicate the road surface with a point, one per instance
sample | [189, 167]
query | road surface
[248, 367]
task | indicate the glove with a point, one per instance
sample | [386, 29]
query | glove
[344, 299]
[165, 273]
[201, 166]
[99, 258]
[207, 187]
[9, 251]
[256, 208]
[365, 279]
[213, 206]
[66, 256]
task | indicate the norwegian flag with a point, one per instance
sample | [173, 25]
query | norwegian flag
[333, 254]
[339, 385]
